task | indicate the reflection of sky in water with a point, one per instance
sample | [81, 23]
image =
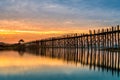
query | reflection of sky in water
[29, 67]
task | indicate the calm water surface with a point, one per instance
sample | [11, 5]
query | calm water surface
[27, 66]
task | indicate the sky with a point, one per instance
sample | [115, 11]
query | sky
[36, 19]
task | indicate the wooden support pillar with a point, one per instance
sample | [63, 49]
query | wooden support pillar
[76, 41]
[52, 43]
[63, 43]
[94, 38]
[115, 37]
[87, 42]
[82, 41]
[98, 40]
[118, 32]
[90, 39]
[103, 41]
[41, 43]
[112, 38]
[107, 40]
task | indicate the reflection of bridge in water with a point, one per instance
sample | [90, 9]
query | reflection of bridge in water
[82, 48]
[101, 60]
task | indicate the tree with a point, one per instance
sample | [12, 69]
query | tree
[21, 41]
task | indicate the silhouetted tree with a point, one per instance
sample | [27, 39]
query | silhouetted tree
[21, 41]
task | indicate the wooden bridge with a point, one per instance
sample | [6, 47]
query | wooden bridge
[98, 39]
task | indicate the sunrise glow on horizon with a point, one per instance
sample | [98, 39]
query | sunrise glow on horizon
[37, 19]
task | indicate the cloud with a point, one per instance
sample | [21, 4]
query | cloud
[79, 11]
[52, 16]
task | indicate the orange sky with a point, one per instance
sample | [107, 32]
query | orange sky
[12, 31]
[12, 36]
[37, 19]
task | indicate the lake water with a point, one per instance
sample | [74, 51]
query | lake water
[59, 64]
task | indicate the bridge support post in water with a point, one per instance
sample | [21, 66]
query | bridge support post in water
[101, 39]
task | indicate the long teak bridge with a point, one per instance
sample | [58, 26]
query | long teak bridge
[98, 39]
